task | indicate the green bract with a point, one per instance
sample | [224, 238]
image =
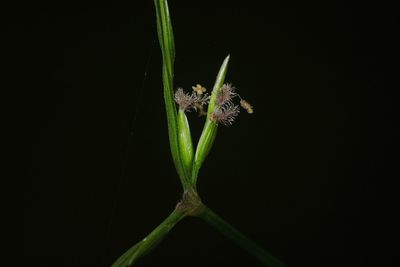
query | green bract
[186, 164]
[210, 128]
[185, 143]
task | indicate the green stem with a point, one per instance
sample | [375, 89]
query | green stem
[148, 243]
[237, 237]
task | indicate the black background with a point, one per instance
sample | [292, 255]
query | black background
[308, 176]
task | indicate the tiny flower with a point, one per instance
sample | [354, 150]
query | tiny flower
[187, 101]
[200, 109]
[182, 99]
[225, 114]
[246, 105]
[225, 95]
[199, 89]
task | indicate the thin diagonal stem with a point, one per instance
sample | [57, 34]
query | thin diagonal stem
[148, 243]
[237, 237]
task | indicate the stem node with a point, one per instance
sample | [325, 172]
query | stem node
[190, 203]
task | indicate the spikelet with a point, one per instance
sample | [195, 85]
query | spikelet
[187, 101]
[226, 114]
[225, 95]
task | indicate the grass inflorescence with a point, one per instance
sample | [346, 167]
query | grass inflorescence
[218, 107]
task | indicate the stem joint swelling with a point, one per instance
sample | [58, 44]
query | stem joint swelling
[190, 204]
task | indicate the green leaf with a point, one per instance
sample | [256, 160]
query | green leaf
[166, 39]
[210, 128]
[149, 242]
[239, 239]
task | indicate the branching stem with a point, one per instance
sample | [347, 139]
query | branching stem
[190, 203]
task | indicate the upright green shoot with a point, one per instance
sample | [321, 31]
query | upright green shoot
[166, 40]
